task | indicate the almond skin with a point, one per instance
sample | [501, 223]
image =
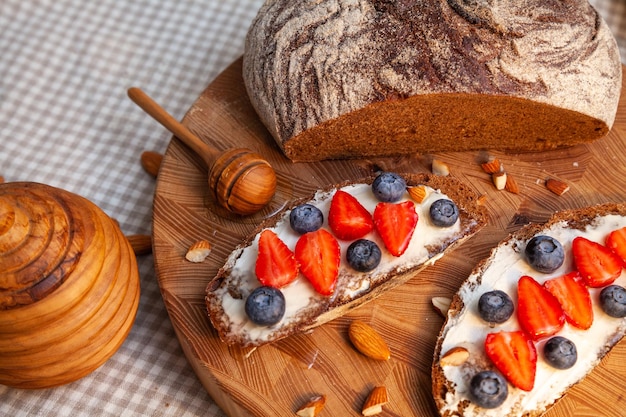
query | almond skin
[367, 341]
[151, 162]
[313, 407]
[454, 357]
[492, 166]
[417, 193]
[375, 400]
[511, 185]
[198, 251]
[141, 244]
[558, 187]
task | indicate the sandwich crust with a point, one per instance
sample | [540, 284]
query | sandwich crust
[472, 217]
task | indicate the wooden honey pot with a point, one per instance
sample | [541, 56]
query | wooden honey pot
[69, 286]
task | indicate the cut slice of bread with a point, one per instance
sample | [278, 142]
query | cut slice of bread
[305, 308]
[501, 270]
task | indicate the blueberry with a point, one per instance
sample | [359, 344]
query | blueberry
[560, 352]
[544, 253]
[488, 389]
[495, 306]
[363, 255]
[306, 218]
[613, 301]
[444, 212]
[265, 306]
[389, 187]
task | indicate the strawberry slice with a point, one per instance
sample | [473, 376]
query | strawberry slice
[539, 312]
[276, 264]
[515, 356]
[574, 298]
[318, 254]
[597, 264]
[347, 218]
[395, 223]
[616, 241]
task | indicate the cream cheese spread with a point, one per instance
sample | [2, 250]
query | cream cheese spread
[507, 264]
[301, 298]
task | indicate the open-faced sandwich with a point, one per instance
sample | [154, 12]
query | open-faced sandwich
[331, 252]
[535, 317]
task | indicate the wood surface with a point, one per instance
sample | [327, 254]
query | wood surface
[275, 380]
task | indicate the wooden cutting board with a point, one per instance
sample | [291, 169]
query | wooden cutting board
[275, 380]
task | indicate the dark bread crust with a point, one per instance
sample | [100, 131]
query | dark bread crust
[473, 217]
[349, 79]
[576, 219]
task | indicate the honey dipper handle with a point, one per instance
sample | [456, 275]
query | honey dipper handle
[158, 113]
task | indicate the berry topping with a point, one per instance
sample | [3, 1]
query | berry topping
[488, 389]
[363, 255]
[616, 241]
[539, 312]
[514, 354]
[444, 212]
[560, 352]
[389, 187]
[544, 253]
[574, 298]
[276, 265]
[495, 306]
[265, 306]
[347, 218]
[395, 223]
[613, 301]
[305, 218]
[597, 264]
[318, 254]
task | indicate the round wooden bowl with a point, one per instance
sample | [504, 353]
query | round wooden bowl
[69, 286]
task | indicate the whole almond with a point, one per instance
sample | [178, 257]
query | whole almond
[375, 400]
[313, 407]
[141, 244]
[198, 251]
[454, 357]
[367, 341]
[151, 162]
[558, 187]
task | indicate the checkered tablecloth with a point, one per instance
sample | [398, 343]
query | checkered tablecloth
[65, 120]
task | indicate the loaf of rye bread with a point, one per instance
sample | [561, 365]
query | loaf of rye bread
[361, 78]
[227, 292]
[463, 328]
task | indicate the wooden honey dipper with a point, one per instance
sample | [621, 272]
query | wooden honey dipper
[241, 180]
